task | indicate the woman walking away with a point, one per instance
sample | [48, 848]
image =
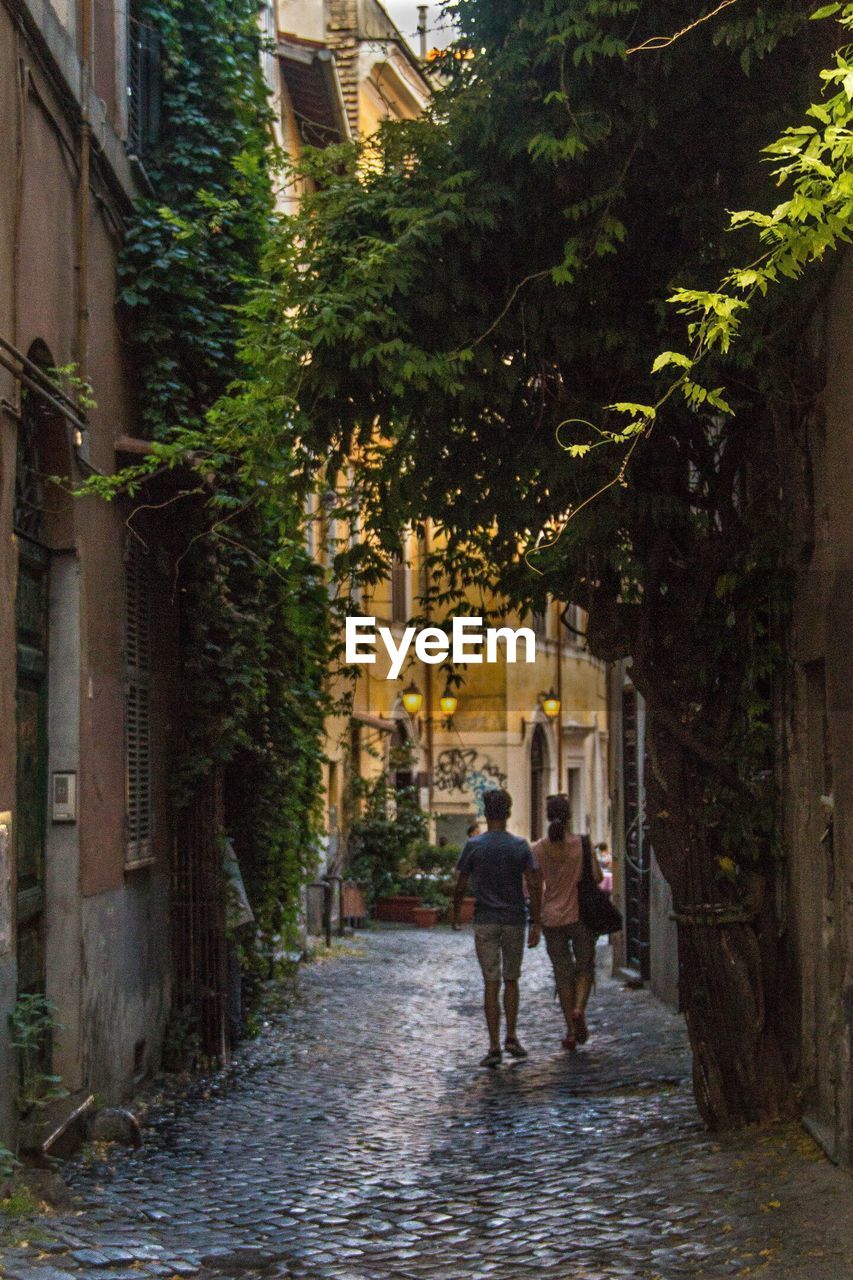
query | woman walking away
[570, 944]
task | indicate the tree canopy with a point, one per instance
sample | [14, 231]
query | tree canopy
[463, 320]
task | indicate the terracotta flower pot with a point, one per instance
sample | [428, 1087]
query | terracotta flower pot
[426, 917]
[397, 908]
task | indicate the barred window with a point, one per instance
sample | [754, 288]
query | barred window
[137, 651]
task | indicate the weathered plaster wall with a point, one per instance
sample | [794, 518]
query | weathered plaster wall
[106, 931]
[126, 980]
[63, 944]
[819, 778]
[8, 563]
[663, 939]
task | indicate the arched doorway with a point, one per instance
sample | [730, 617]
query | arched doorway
[538, 781]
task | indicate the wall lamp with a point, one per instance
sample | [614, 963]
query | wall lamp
[550, 704]
[412, 699]
[448, 703]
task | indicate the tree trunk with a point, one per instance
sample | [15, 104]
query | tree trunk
[730, 985]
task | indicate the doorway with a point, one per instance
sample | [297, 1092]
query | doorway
[538, 781]
[635, 837]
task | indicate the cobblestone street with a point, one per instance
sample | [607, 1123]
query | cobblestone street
[358, 1140]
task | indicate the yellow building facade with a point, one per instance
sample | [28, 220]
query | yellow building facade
[531, 727]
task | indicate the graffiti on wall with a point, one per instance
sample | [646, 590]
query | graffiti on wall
[461, 769]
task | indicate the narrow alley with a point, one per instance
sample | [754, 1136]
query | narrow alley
[357, 1139]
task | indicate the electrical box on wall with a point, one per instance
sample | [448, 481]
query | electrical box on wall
[63, 797]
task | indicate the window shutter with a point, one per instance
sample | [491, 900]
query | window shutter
[137, 641]
[144, 88]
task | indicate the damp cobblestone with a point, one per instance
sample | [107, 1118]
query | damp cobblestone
[357, 1139]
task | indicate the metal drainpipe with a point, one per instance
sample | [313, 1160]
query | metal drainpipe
[87, 42]
[423, 10]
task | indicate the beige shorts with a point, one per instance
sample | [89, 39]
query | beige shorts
[571, 950]
[500, 945]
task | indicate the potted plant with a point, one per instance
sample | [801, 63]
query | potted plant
[380, 841]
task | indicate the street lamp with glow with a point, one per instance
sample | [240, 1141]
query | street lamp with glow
[551, 704]
[412, 700]
[448, 703]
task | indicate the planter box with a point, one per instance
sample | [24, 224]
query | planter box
[353, 905]
[397, 909]
[426, 917]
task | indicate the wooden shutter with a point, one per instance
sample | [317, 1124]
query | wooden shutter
[144, 87]
[137, 649]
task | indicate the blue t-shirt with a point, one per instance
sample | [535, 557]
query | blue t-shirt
[496, 862]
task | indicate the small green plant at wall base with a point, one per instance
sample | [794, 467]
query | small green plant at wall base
[20, 1203]
[32, 1024]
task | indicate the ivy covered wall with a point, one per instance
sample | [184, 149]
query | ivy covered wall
[253, 616]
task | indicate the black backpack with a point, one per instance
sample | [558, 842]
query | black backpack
[595, 906]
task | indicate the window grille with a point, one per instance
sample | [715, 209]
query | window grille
[144, 87]
[28, 511]
[137, 640]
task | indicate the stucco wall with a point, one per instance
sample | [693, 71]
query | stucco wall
[106, 931]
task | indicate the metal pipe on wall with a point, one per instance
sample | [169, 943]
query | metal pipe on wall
[87, 44]
[34, 386]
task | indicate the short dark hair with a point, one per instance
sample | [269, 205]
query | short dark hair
[497, 805]
[475, 826]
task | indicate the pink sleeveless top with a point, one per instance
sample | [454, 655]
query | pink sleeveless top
[562, 867]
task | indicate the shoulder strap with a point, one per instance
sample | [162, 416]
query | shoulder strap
[586, 846]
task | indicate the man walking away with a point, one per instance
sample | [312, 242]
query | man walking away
[499, 863]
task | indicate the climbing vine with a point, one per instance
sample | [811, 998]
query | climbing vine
[253, 625]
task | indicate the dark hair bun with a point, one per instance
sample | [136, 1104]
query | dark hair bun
[559, 812]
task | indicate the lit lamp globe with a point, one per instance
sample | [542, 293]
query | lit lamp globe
[448, 703]
[412, 699]
[551, 704]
